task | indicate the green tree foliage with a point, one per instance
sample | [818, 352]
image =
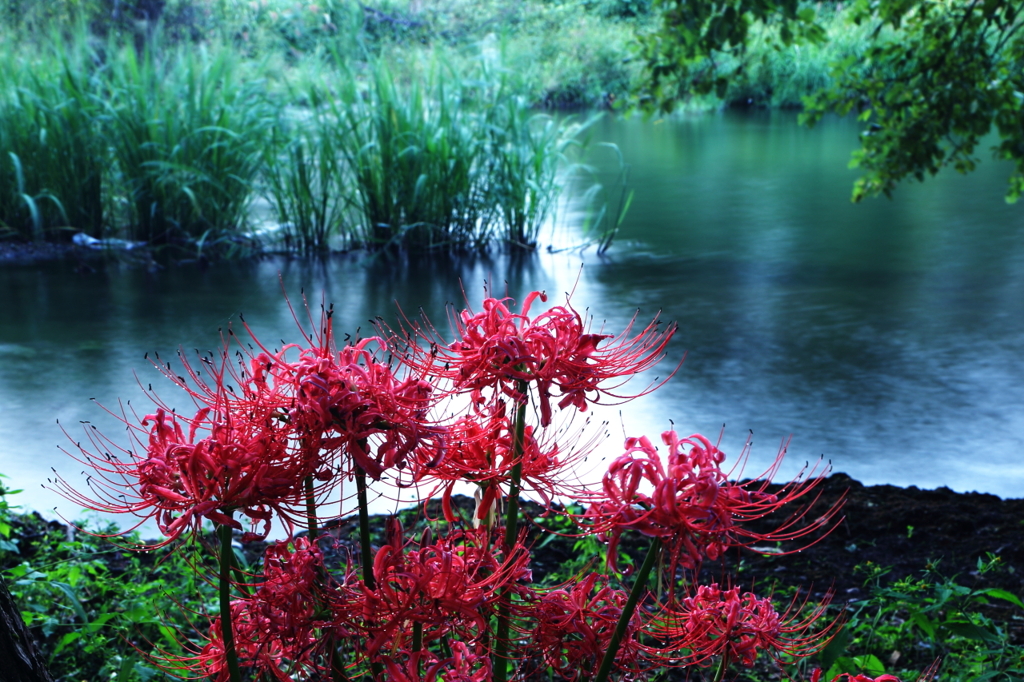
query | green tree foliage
[937, 77]
[688, 51]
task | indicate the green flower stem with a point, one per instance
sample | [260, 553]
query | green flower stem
[639, 585]
[311, 511]
[723, 666]
[227, 555]
[365, 549]
[364, 529]
[313, 532]
[518, 446]
[417, 642]
[337, 665]
[417, 636]
[500, 660]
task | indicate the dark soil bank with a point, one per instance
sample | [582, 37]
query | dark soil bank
[905, 529]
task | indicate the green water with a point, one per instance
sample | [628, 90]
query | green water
[887, 337]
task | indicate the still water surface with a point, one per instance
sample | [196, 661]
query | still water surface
[887, 337]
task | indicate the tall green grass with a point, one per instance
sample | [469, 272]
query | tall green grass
[443, 162]
[163, 146]
[186, 132]
[306, 181]
[168, 143]
[51, 153]
[529, 153]
[413, 154]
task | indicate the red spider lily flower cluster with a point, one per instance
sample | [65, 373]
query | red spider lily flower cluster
[451, 587]
[688, 501]
[241, 463]
[572, 627]
[479, 448]
[497, 348]
[277, 628]
[251, 450]
[716, 623]
[278, 431]
[422, 666]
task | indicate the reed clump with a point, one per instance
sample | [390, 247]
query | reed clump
[169, 142]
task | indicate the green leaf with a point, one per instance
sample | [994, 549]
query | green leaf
[73, 598]
[835, 648]
[843, 664]
[99, 621]
[170, 636]
[922, 621]
[870, 664]
[65, 640]
[144, 672]
[969, 630]
[997, 593]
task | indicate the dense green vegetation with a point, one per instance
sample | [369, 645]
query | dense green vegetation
[192, 122]
[197, 127]
[349, 135]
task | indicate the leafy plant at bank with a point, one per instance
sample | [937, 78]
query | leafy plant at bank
[528, 154]
[307, 183]
[931, 80]
[914, 621]
[97, 610]
[448, 162]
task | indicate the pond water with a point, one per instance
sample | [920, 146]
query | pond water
[887, 337]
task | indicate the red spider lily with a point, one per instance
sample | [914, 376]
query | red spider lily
[570, 629]
[250, 449]
[691, 503]
[349, 399]
[723, 623]
[448, 586]
[332, 399]
[283, 627]
[499, 349]
[464, 665]
[479, 449]
[243, 463]
[451, 586]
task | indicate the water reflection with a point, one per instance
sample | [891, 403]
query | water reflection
[888, 336]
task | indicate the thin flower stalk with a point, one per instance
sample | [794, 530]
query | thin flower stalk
[227, 630]
[500, 664]
[639, 588]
